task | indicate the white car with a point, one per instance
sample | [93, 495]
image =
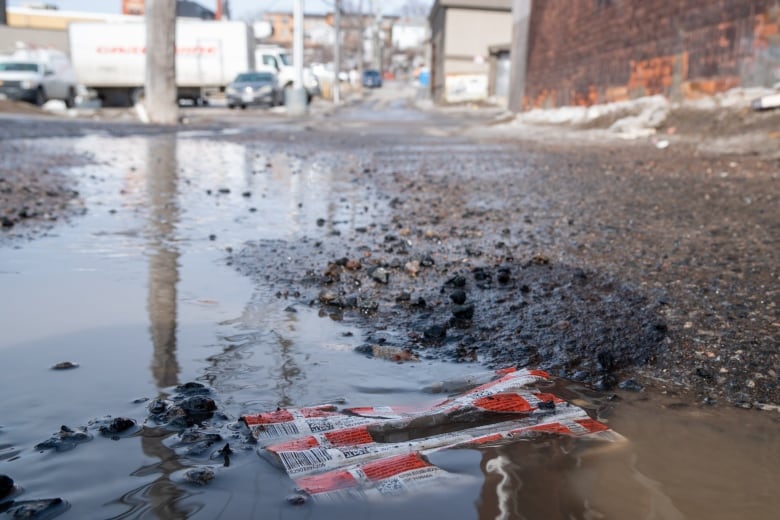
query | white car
[25, 78]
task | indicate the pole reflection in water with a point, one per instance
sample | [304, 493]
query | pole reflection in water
[529, 480]
[289, 371]
[162, 496]
[161, 182]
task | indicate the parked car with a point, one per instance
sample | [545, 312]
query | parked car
[35, 82]
[372, 78]
[254, 88]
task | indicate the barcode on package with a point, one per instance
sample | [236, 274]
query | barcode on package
[274, 431]
[302, 461]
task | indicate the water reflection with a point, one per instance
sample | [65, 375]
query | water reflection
[161, 180]
[162, 495]
[529, 480]
[289, 371]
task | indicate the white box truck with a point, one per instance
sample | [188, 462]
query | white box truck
[110, 58]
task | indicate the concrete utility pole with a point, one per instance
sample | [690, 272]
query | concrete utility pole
[521, 18]
[378, 41]
[296, 101]
[337, 52]
[160, 84]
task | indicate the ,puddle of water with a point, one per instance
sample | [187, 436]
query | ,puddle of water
[137, 293]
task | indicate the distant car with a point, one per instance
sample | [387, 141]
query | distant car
[35, 82]
[372, 78]
[254, 88]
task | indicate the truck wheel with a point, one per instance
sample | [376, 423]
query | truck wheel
[40, 97]
[70, 101]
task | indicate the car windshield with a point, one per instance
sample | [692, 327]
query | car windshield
[13, 66]
[255, 77]
[371, 73]
[286, 59]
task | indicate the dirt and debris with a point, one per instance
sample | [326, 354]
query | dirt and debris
[35, 193]
[602, 262]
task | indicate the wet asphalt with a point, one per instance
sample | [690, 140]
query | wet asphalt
[617, 264]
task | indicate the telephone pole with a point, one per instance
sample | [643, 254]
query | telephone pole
[296, 101]
[337, 52]
[521, 18]
[160, 85]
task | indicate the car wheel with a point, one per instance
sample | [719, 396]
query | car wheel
[243, 107]
[70, 101]
[231, 106]
[40, 97]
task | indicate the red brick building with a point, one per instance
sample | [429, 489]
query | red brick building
[595, 51]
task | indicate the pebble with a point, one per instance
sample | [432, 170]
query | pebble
[6, 485]
[199, 476]
[458, 297]
[435, 332]
[630, 385]
[463, 312]
[65, 365]
[65, 439]
[198, 404]
[116, 425]
[412, 267]
[296, 499]
[379, 274]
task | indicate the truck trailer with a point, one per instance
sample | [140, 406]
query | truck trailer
[109, 58]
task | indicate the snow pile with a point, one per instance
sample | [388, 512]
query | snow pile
[736, 98]
[635, 118]
[652, 115]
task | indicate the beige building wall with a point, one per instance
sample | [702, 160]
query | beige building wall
[46, 38]
[467, 37]
[470, 32]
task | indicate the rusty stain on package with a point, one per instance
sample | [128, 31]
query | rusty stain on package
[337, 453]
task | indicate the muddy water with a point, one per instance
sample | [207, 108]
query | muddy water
[138, 294]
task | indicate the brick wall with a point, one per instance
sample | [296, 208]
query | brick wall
[593, 51]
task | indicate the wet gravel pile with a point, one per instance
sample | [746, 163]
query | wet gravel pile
[35, 193]
[599, 264]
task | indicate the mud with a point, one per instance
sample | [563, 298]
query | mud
[614, 264]
[589, 261]
[35, 193]
[600, 264]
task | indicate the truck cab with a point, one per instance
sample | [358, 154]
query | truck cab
[279, 59]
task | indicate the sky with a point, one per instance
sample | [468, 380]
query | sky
[239, 8]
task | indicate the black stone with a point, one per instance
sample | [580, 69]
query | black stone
[463, 312]
[6, 485]
[117, 425]
[630, 385]
[458, 297]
